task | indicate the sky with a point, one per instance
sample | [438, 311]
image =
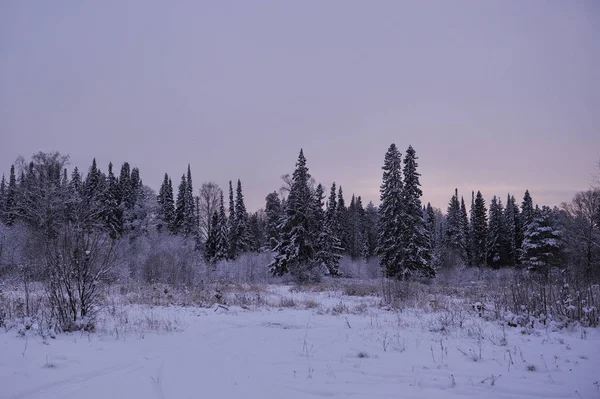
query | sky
[497, 96]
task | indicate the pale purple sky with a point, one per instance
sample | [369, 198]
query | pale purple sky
[493, 95]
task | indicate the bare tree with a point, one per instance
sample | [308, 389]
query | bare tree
[208, 204]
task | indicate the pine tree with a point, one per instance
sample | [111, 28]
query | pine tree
[166, 211]
[221, 234]
[356, 240]
[210, 246]
[190, 220]
[231, 224]
[241, 233]
[527, 210]
[455, 238]
[3, 190]
[526, 217]
[464, 226]
[479, 227]
[296, 249]
[391, 223]
[125, 192]
[416, 244]
[180, 208]
[113, 214]
[372, 234]
[273, 215]
[511, 234]
[342, 221]
[329, 246]
[495, 237]
[542, 243]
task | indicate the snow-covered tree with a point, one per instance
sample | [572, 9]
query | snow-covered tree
[542, 243]
[371, 232]
[479, 229]
[391, 223]
[296, 249]
[273, 218]
[221, 228]
[166, 210]
[511, 225]
[241, 234]
[456, 245]
[464, 226]
[415, 239]
[495, 237]
[329, 246]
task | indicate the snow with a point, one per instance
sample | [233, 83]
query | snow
[342, 347]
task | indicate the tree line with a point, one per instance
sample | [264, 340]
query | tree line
[307, 231]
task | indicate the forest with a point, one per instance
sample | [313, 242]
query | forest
[77, 232]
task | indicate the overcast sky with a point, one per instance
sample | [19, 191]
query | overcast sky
[493, 95]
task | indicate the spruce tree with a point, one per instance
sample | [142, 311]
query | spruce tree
[10, 202]
[113, 214]
[391, 222]
[296, 249]
[510, 230]
[125, 185]
[542, 243]
[166, 212]
[3, 190]
[180, 208]
[416, 244]
[241, 233]
[464, 226]
[455, 238]
[210, 246]
[190, 221]
[495, 237]
[342, 221]
[231, 224]
[479, 229]
[329, 246]
[273, 218]
[221, 234]
[527, 211]
[371, 223]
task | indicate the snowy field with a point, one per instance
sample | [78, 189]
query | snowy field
[277, 342]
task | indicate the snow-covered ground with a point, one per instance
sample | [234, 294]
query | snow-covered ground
[300, 345]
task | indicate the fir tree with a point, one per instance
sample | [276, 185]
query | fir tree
[125, 192]
[3, 191]
[416, 244]
[510, 229]
[342, 221]
[241, 233]
[479, 229]
[113, 214]
[231, 224]
[166, 211]
[542, 243]
[180, 208]
[221, 234]
[527, 211]
[371, 223]
[296, 249]
[273, 218]
[190, 220]
[329, 246]
[391, 222]
[464, 226]
[210, 246]
[455, 238]
[495, 237]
